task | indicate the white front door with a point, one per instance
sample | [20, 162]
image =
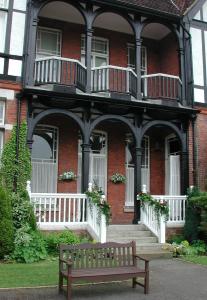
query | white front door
[130, 163]
[98, 161]
[172, 166]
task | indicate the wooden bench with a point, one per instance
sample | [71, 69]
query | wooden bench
[101, 262]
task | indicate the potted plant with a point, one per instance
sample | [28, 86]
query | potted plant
[68, 176]
[118, 178]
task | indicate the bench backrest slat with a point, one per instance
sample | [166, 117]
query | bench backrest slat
[106, 255]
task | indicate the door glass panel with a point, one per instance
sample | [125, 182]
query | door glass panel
[100, 61]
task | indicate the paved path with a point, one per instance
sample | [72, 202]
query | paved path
[169, 280]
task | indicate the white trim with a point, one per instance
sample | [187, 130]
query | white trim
[2, 102]
[60, 58]
[8, 94]
[8, 126]
[114, 67]
[162, 74]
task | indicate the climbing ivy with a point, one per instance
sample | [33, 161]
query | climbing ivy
[16, 169]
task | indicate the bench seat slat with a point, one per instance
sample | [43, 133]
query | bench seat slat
[82, 273]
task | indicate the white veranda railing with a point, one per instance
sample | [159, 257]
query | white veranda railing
[177, 206]
[72, 211]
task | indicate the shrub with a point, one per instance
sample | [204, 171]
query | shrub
[192, 217]
[196, 216]
[6, 225]
[29, 245]
[53, 240]
[16, 172]
[177, 238]
[22, 210]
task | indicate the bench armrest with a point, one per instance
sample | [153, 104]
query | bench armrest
[141, 258]
[68, 264]
[146, 262]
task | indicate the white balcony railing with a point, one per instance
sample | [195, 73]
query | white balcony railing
[60, 70]
[161, 86]
[114, 79]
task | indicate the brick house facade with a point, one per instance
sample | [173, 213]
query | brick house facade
[104, 89]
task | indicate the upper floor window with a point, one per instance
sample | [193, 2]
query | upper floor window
[201, 15]
[48, 42]
[12, 24]
[100, 51]
[131, 58]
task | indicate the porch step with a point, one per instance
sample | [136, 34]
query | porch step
[146, 243]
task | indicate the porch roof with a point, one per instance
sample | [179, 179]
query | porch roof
[161, 6]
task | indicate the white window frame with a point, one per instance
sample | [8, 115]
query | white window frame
[40, 54]
[2, 120]
[105, 155]
[1, 141]
[95, 54]
[129, 191]
[143, 49]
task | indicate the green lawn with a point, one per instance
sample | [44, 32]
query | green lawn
[43, 273]
[202, 260]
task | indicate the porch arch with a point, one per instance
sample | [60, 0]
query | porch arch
[169, 26]
[113, 117]
[33, 122]
[126, 17]
[174, 128]
[75, 4]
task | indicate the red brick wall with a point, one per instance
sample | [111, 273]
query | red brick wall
[169, 62]
[201, 142]
[190, 145]
[157, 166]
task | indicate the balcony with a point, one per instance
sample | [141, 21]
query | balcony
[161, 86]
[108, 81]
[60, 71]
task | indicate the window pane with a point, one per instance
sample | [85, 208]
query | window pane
[197, 55]
[15, 67]
[48, 43]
[205, 12]
[99, 46]
[17, 34]
[1, 141]
[205, 38]
[4, 3]
[100, 61]
[3, 21]
[199, 95]
[1, 112]
[1, 65]
[197, 16]
[20, 4]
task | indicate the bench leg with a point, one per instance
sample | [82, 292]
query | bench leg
[134, 282]
[60, 282]
[146, 283]
[69, 289]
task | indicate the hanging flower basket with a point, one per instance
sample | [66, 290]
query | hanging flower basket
[68, 176]
[118, 178]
